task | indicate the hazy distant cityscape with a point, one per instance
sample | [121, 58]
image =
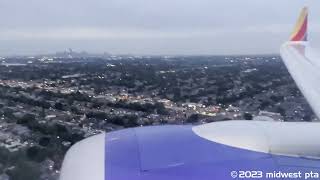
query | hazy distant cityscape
[49, 102]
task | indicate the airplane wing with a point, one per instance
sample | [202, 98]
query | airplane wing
[215, 151]
[302, 62]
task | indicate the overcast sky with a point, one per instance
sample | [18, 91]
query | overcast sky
[151, 26]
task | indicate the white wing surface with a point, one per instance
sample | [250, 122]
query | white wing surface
[302, 63]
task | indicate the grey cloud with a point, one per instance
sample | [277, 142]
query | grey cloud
[150, 26]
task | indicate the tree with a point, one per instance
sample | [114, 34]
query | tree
[247, 116]
[160, 108]
[28, 119]
[44, 141]
[58, 106]
[281, 111]
[36, 154]
[193, 118]
[25, 170]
